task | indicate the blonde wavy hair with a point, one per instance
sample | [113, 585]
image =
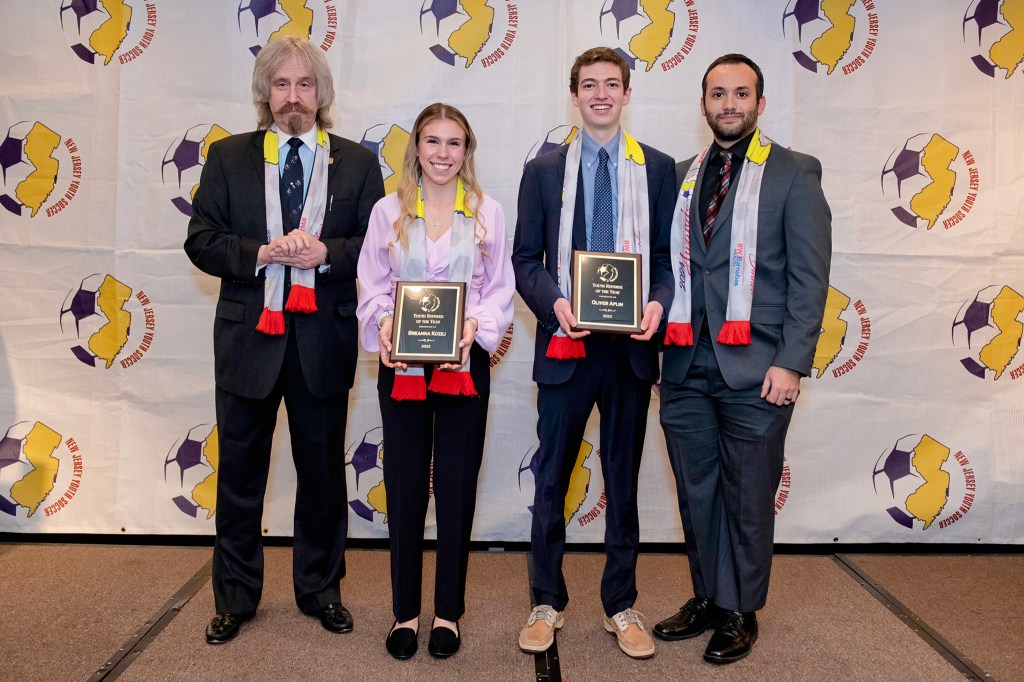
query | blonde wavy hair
[408, 187]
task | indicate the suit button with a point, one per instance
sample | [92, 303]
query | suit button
[708, 271]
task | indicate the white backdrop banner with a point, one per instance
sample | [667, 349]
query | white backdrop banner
[908, 430]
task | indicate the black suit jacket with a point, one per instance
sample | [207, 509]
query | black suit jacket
[228, 227]
[794, 251]
[535, 253]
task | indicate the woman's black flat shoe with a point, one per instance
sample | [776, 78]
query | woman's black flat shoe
[444, 642]
[401, 642]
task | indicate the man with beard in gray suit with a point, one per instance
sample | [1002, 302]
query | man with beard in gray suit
[751, 249]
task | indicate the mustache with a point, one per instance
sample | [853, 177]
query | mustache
[295, 108]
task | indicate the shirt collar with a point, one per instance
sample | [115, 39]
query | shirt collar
[308, 138]
[591, 149]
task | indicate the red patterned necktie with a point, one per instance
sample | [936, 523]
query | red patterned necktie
[725, 175]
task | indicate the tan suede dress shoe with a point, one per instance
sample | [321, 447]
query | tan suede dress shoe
[539, 633]
[633, 638]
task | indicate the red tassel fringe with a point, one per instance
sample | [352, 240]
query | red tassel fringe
[271, 322]
[679, 334]
[452, 383]
[735, 334]
[564, 348]
[301, 300]
[409, 387]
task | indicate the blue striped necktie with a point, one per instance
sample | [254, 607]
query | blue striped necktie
[602, 229]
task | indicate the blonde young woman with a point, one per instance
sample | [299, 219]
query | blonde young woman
[439, 226]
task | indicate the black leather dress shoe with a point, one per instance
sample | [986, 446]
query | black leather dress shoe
[335, 617]
[224, 627]
[401, 642]
[443, 641]
[696, 616]
[734, 636]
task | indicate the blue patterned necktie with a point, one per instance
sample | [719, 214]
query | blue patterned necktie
[602, 229]
[292, 191]
[718, 197]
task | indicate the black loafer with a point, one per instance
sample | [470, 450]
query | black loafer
[335, 617]
[401, 642]
[734, 636]
[696, 616]
[224, 627]
[444, 642]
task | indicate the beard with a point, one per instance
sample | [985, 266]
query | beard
[735, 131]
[293, 118]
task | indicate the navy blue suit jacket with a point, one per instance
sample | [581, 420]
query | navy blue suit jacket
[535, 253]
[228, 227]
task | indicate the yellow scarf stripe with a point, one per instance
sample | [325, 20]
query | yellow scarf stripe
[568, 140]
[420, 211]
[633, 150]
[270, 147]
[460, 201]
[757, 152]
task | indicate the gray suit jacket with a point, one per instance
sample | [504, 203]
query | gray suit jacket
[794, 251]
[228, 227]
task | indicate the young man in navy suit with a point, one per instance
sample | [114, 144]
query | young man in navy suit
[279, 217]
[619, 197]
[751, 244]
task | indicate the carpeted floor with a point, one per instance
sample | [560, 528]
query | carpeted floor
[973, 602]
[283, 644]
[67, 609]
[818, 625]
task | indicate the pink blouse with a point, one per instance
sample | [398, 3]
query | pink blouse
[490, 293]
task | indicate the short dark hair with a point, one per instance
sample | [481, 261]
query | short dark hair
[734, 58]
[593, 56]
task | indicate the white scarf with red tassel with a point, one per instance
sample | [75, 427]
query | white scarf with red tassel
[410, 384]
[631, 233]
[302, 295]
[743, 250]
